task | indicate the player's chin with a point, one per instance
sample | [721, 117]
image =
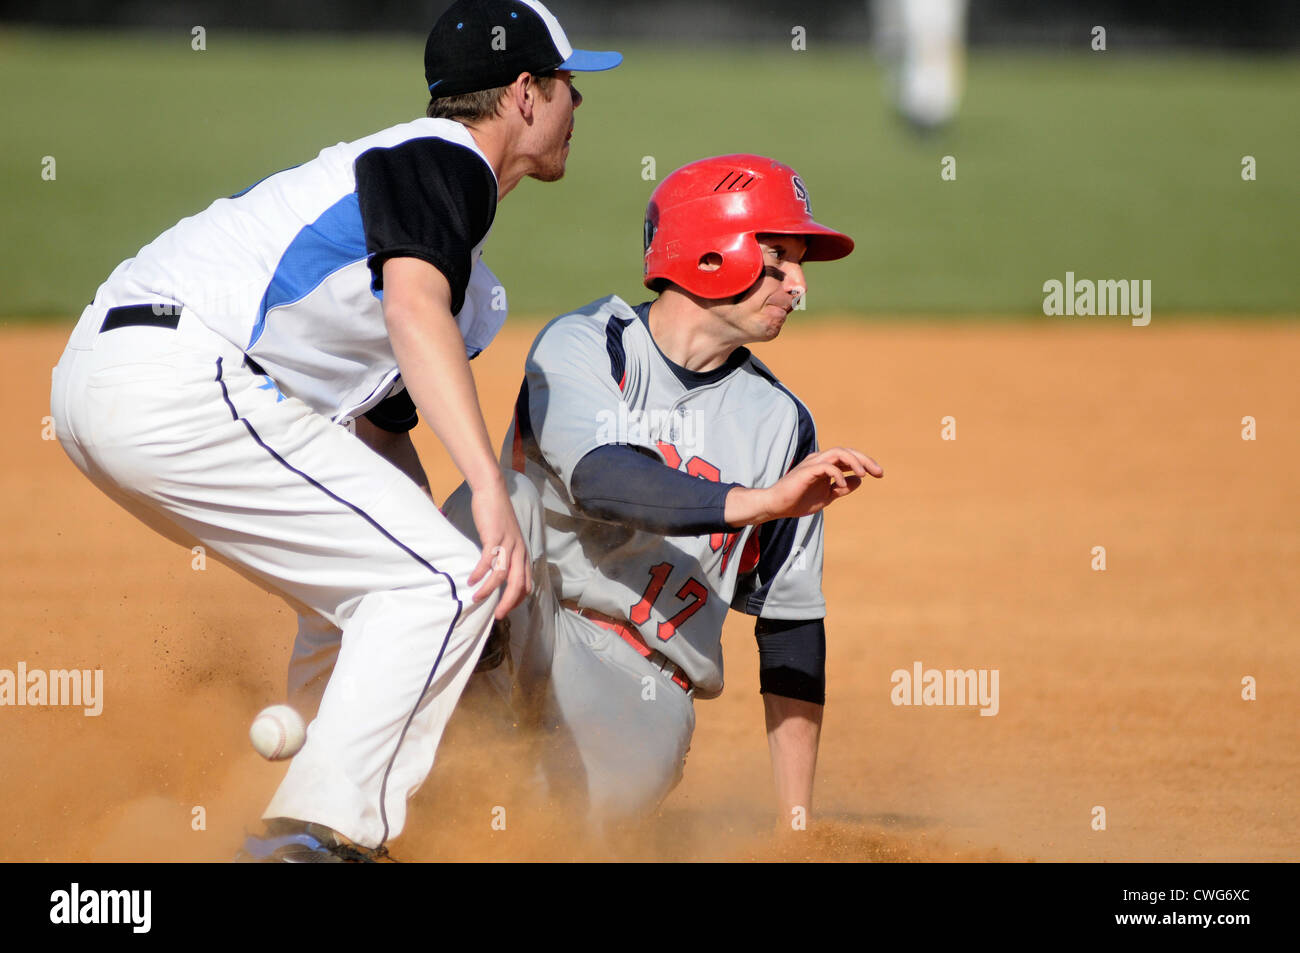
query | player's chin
[552, 171]
[773, 325]
[549, 174]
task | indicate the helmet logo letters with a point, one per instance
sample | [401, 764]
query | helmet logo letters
[801, 193]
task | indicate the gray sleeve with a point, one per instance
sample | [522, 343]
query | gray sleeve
[573, 402]
[781, 569]
[786, 581]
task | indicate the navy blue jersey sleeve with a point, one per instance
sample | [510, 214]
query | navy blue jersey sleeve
[395, 414]
[426, 198]
[622, 484]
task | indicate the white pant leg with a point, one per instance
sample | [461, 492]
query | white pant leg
[315, 650]
[924, 40]
[177, 430]
[532, 621]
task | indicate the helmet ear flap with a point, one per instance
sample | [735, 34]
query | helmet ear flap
[723, 269]
[742, 265]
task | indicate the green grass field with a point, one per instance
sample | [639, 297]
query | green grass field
[1108, 166]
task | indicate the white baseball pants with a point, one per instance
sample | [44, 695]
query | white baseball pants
[175, 427]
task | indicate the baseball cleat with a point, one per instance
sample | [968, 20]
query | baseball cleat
[289, 841]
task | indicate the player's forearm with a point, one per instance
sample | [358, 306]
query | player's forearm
[746, 506]
[396, 448]
[793, 734]
[431, 355]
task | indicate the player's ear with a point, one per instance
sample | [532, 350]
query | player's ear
[522, 95]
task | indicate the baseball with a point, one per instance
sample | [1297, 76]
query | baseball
[277, 732]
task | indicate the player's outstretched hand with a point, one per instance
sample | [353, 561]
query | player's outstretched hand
[505, 555]
[813, 484]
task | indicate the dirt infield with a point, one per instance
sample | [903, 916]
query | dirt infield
[1120, 689]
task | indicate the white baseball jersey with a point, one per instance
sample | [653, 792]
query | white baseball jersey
[596, 377]
[290, 270]
[177, 421]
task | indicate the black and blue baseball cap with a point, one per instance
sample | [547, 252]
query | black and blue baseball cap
[483, 44]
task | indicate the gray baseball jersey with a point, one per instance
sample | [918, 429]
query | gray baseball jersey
[596, 377]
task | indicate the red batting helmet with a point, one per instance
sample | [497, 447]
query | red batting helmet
[716, 207]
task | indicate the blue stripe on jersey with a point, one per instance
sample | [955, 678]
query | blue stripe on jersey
[776, 539]
[523, 417]
[524, 432]
[614, 345]
[334, 240]
[250, 188]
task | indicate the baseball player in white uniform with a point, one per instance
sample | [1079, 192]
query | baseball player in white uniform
[923, 45]
[205, 387]
[662, 475]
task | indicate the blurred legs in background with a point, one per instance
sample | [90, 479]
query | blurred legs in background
[923, 43]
